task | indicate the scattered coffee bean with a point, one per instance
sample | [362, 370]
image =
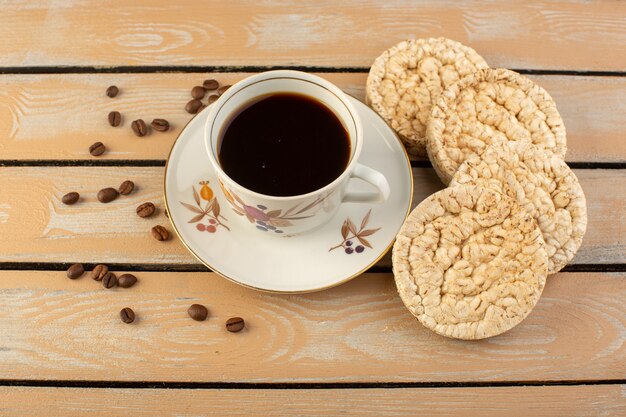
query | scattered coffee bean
[126, 187]
[210, 84]
[198, 312]
[70, 198]
[166, 214]
[109, 280]
[160, 125]
[126, 280]
[127, 315]
[235, 324]
[112, 91]
[99, 271]
[193, 106]
[222, 89]
[213, 98]
[145, 209]
[160, 233]
[97, 149]
[106, 195]
[139, 127]
[201, 108]
[115, 118]
[75, 271]
[198, 92]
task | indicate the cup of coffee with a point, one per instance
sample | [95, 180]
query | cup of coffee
[285, 145]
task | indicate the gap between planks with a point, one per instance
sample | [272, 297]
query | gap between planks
[191, 69]
[62, 266]
[41, 383]
[162, 162]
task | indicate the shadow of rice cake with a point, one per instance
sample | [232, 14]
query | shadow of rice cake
[406, 79]
[469, 262]
[488, 107]
[543, 184]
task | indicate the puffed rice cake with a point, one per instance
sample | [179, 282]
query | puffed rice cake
[543, 184]
[469, 262]
[406, 79]
[491, 106]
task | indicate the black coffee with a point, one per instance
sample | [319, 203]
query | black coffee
[284, 144]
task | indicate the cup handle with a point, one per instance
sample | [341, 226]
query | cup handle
[370, 176]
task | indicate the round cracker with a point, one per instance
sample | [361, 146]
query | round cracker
[566, 232]
[543, 184]
[406, 79]
[487, 107]
[469, 262]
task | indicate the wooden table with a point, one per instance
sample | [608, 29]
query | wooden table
[349, 350]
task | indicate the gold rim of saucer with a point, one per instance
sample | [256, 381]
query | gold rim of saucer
[212, 269]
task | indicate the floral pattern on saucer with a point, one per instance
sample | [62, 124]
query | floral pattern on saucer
[269, 220]
[348, 228]
[211, 209]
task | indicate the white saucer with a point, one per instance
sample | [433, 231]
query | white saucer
[308, 262]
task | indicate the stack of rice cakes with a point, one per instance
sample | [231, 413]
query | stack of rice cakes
[471, 261]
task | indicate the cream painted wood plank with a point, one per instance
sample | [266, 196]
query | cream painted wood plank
[59, 116]
[36, 227]
[533, 34]
[55, 328]
[551, 401]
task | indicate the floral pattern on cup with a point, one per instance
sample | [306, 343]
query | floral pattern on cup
[210, 210]
[349, 233]
[268, 220]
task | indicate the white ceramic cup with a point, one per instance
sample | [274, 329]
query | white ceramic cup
[286, 216]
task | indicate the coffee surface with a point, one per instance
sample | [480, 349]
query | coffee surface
[283, 145]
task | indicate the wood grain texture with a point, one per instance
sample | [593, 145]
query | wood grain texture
[59, 116]
[36, 227]
[556, 401]
[55, 328]
[534, 34]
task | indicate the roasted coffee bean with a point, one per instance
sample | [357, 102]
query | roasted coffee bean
[198, 92]
[106, 195]
[109, 280]
[112, 91]
[201, 108]
[145, 209]
[126, 187]
[75, 271]
[160, 233]
[139, 127]
[193, 106]
[222, 89]
[97, 149]
[70, 198]
[115, 118]
[213, 98]
[160, 125]
[127, 315]
[198, 312]
[235, 324]
[210, 84]
[126, 280]
[99, 271]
